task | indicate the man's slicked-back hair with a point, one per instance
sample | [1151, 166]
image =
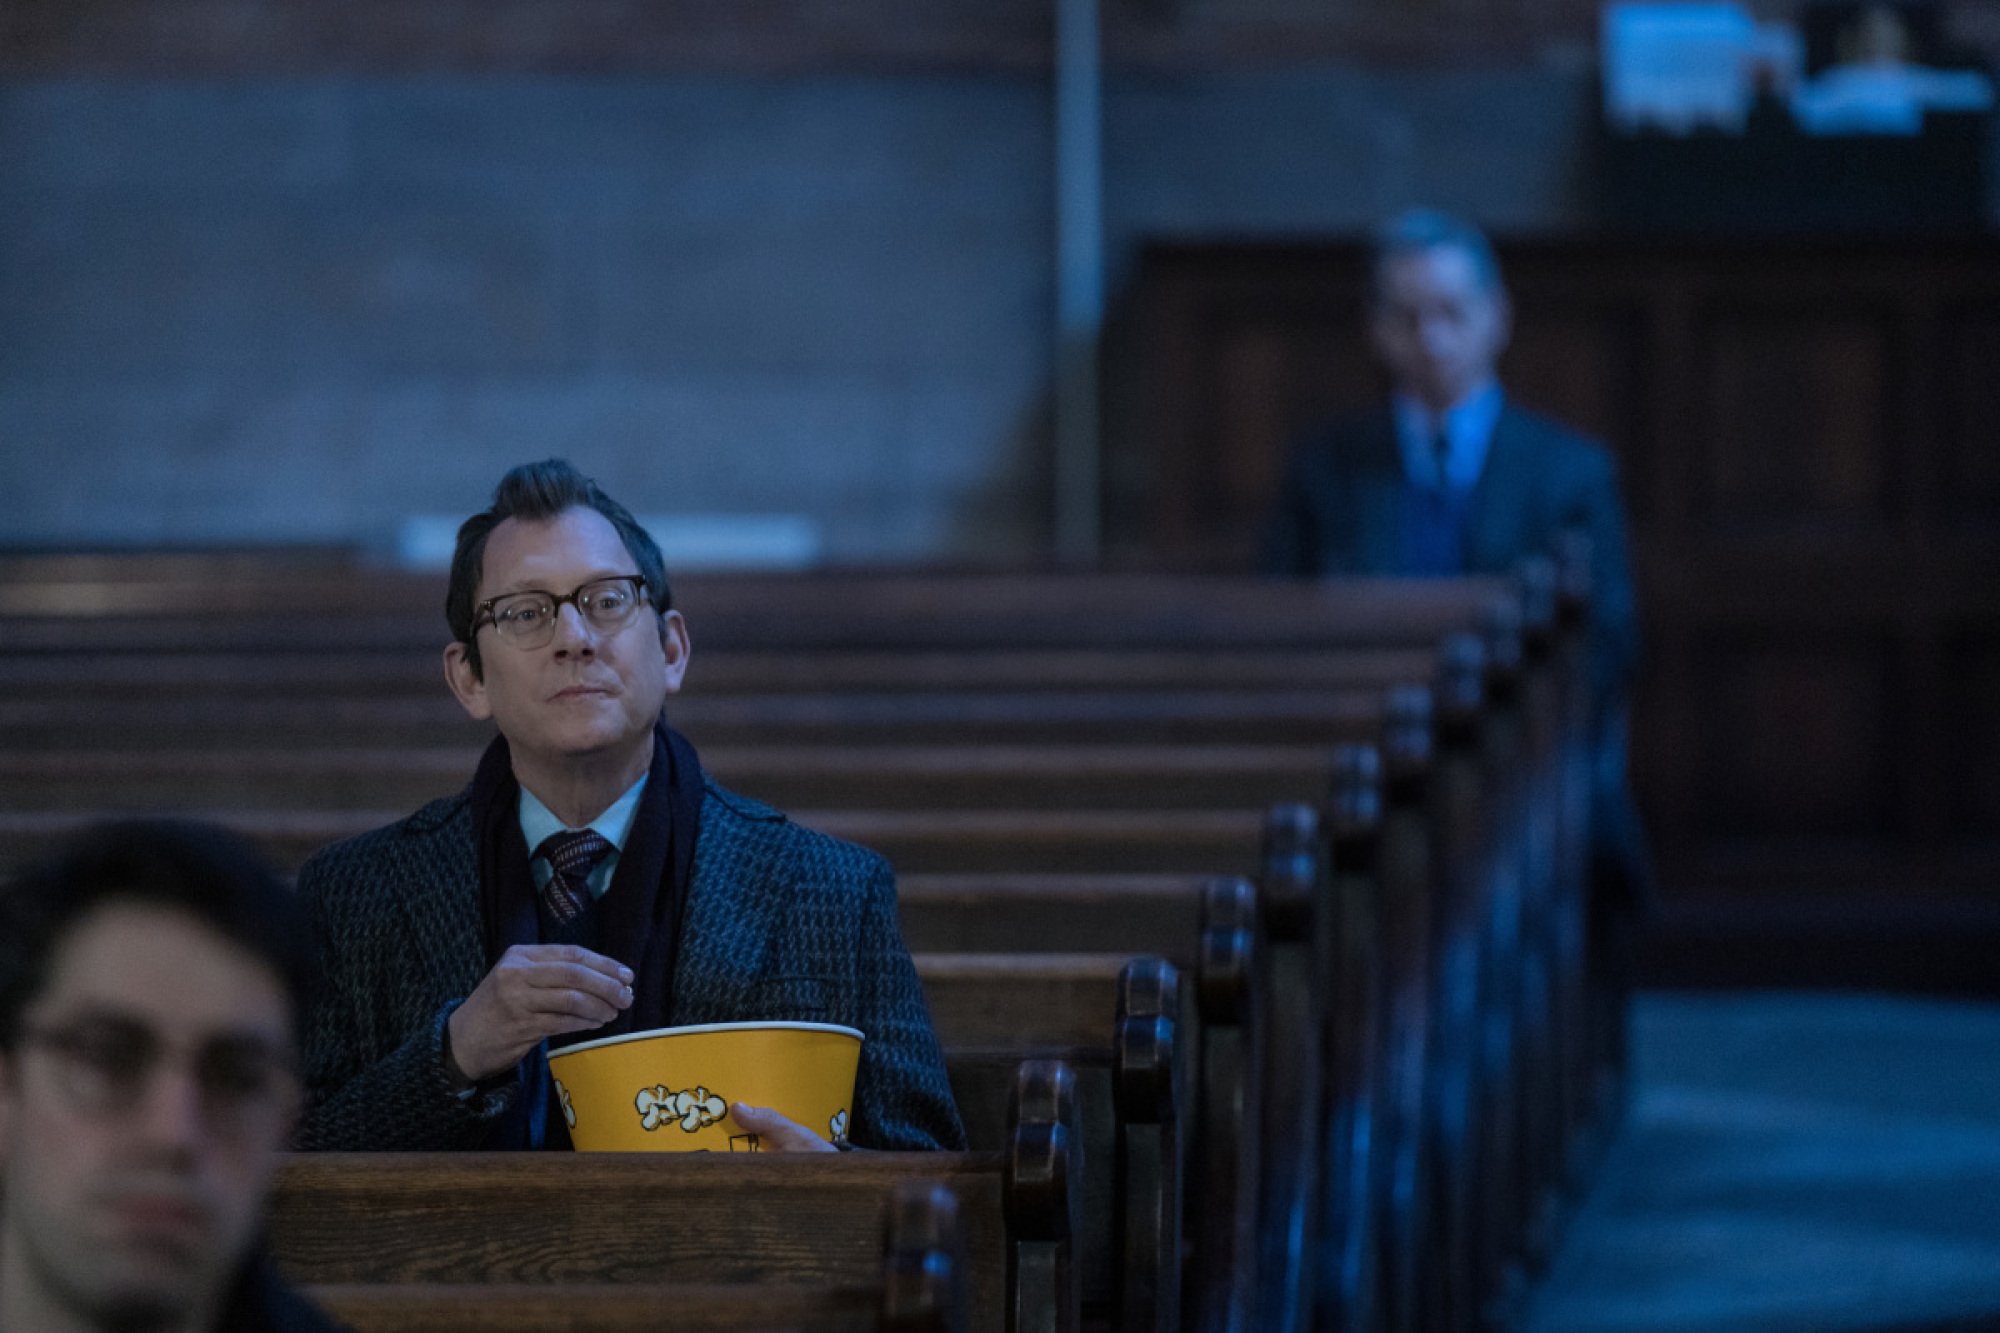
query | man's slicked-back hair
[1419, 229]
[537, 492]
[203, 871]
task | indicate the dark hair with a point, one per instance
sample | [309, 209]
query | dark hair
[540, 491]
[204, 871]
[1421, 229]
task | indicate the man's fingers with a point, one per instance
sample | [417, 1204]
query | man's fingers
[536, 991]
[576, 955]
[778, 1133]
[575, 977]
[572, 1004]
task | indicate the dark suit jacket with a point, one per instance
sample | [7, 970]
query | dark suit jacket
[1341, 512]
[781, 923]
[1341, 507]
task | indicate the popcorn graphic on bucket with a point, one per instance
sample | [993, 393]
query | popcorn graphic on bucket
[694, 1110]
[661, 1091]
[562, 1099]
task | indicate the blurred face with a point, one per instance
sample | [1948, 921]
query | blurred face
[142, 1114]
[588, 696]
[1437, 327]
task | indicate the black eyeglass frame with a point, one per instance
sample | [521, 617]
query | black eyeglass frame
[482, 615]
[276, 1074]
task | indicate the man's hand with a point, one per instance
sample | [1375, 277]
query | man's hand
[777, 1134]
[534, 992]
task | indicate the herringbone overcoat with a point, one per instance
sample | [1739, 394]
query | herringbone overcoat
[781, 923]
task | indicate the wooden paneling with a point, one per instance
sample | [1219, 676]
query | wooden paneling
[1807, 434]
[1973, 707]
[1796, 740]
[1970, 373]
[1588, 355]
[1800, 421]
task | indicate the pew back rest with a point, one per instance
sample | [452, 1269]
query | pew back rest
[615, 1218]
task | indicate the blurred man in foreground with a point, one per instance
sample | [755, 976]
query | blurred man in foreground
[152, 983]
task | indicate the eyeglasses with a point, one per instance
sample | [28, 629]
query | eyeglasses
[104, 1065]
[528, 619]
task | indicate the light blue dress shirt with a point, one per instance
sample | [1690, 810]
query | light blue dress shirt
[538, 823]
[1468, 428]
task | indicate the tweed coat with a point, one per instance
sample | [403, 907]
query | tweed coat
[781, 923]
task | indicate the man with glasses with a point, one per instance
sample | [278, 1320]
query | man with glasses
[591, 880]
[152, 982]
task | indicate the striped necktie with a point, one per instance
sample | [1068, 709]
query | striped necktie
[572, 854]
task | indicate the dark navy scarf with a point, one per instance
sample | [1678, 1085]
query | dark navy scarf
[639, 920]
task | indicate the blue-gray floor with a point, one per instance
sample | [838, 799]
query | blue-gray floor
[1794, 1162]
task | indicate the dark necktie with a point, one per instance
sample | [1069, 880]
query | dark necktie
[1441, 451]
[571, 855]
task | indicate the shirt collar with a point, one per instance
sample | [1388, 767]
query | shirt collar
[538, 822]
[1468, 426]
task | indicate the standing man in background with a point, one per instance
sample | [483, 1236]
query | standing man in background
[1450, 477]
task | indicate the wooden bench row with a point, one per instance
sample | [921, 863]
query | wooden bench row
[415, 671]
[1427, 859]
[1118, 1023]
[930, 1241]
[363, 610]
[1011, 1021]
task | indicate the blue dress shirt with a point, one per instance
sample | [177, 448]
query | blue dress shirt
[538, 823]
[1468, 430]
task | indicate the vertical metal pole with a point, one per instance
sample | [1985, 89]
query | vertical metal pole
[1079, 167]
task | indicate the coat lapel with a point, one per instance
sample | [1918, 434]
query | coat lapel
[441, 904]
[741, 956]
[704, 954]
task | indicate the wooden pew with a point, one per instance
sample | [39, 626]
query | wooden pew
[601, 1308]
[955, 831]
[921, 841]
[1411, 838]
[1070, 840]
[414, 672]
[361, 610]
[1307, 945]
[935, 827]
[792, 777]
[1116, 1022]
[1347, 1259]
[1487, 942]
[920, 1289]
[496, 1220]
[1212, 929]
[1349, 1031]
[712, 720]
[1509, 759]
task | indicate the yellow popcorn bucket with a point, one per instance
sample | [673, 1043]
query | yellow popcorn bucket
[670, 1089]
